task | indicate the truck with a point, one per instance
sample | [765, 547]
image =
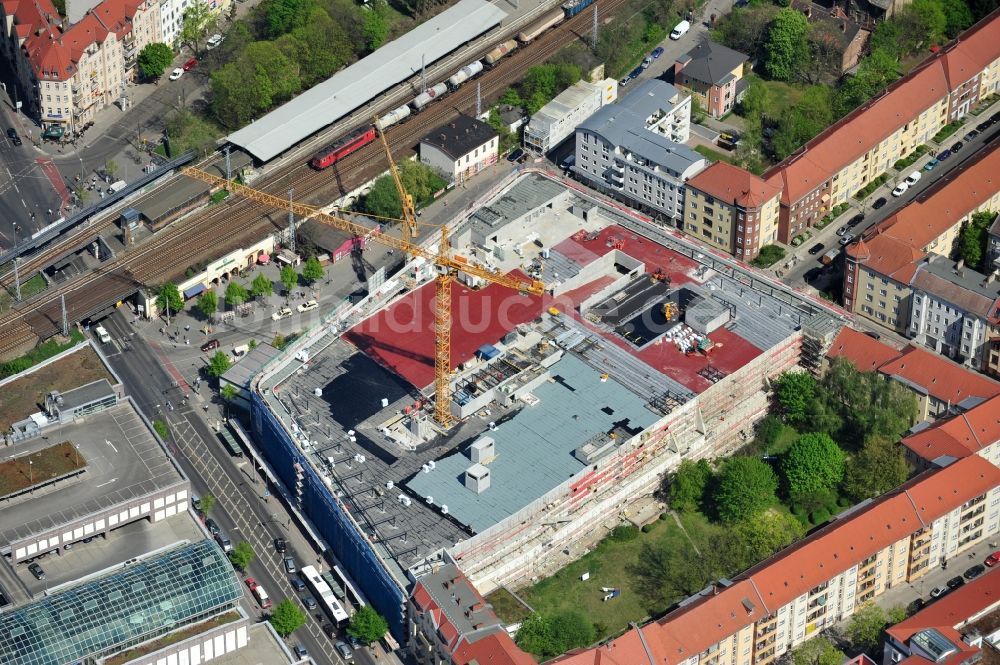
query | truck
[102, 334]
[830, 256]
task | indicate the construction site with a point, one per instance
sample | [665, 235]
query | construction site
[564, 406]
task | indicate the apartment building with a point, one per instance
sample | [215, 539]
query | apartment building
[880, 267]
[841, 32]
[713, 74]
[731, 209]
[634, 148]
[460, 149]
[829, 169]
[557, 120]
[938, 383]
[66, 73]
[450, 623]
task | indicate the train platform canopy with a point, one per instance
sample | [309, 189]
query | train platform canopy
[350, 88]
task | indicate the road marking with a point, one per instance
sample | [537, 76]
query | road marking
[111, 444]
[107, 483]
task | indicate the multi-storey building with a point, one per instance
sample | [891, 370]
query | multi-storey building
[731, 209]
[880, 267]
[635, 148]
[558, 119]
[460, 149]
[66, 73]
[829, 169]
[839, 31]
[714, 75]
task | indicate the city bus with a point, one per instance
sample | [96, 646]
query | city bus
[324, 595]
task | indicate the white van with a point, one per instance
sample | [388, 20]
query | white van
[680, 29]
[102, 334]
[117, 186]
[241, 350]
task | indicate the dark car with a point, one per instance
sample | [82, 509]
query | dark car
[816, 249]
[955, 582]
[857, 219]
[974, 571]
[983, 126]
[37, 571]
[515, 155]
[347, 653]
[657, 52]
[635, 72]
[943, 155]
[279, 545]
[12, 135]
[210, 345]
[995, 117]
[329, 630]
[879, 203]
[309, 602]
[212, 527]
[297, 583]
[956, 146]
[354, 642]
[971, 135]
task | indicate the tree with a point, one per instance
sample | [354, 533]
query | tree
[187, 131]
[199, 20]
[795, 391]
[551, 635]
[879, 467]
[161, 429]
[312, 271]
[261, 77]
[818, 651]
[289, 278]
[367, 625]
[874, 73]
[324, 46]
[218, 365]
[169, 299]
[375, 25]
[228, 394]
[746, 487]
[236, 293]
[786, 44]
[241, 555]
[208, 303]
[753, 540]
[383, 199]
[813, 463]
[279, 341]
[746, 30]
[866, 625]
[958, 16]
[852, 405]
[687, 488]
[111, 167]
[261, 286]
[768, 430]
[811, 115]
[207, 503]
[287, 618]
[283, 16]
[973, 239]
[154, 59]
[929, 14]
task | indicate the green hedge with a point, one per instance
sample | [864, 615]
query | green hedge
[947, 131]
[623, 533]
[41, 352]
[865, 191]
[768, 256]
[907, 161]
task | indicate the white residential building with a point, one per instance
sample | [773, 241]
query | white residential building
[460, 149]
[558, 119]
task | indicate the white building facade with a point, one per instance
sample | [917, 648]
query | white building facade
[460, 149]
[558, 119]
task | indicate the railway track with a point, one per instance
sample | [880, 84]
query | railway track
[227, 226]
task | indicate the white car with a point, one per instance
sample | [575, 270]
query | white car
[282, 313]
[176, 74]
[913, 178]
[901, 188]
[214, 41]
[308, 306]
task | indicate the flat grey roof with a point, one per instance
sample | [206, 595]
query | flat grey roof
[84, 395]
[348, 89]
[534, 448]
[247, 368]
[124, 462]
[528, 193]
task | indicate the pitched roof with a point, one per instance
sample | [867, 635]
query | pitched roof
[864, 128]
[961, 436]
[955, 609]
[460, 136]
[711, 63]
[864, 352]
[965, 288]
[943, 379]
[734, 185]
[494, 649]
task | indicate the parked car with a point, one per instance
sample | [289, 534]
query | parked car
[657, 52]
[635, 72]
[515, 155]
[214, 41]
[938, 591]
[176, 74]
[210, 345]
[901, 188]
[913, 178]
[190, 64]
[879, 202]
[308, 306]
[943, 155]
[300, 651]
[857, 219]
[345, 651]
[971, 135]
[847, 240]
[212, 527]
[974, 571]
[955, 582]
[992, 560]
[624, 81]
[289, 564]
[329, 630]
[957, 146]
[816, 249]
[297, 583]
[983, 126]
[647, 61]
[282, 313]
[843, 230]
[309, 602]
[280, 545]
[37, 571]
[12, 135]
[929, 166]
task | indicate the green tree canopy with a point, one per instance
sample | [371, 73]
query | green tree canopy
[973, 238]
[312, 271]
[261, 286]
[228, 394]
[795, 392]
[169, 299]
[236, 293]
[207, 503]
[199, 20]
[241, 555]
[208, 303]
[753, 540]
[551, 635]
[376, 24]
[367, 625]
[289, 278]
[279, 341]
[818, 651]
[687, 487]
[814, 463]
[879, 467]
[154, 59]
[786, 45]
[865, 627]
[811, 115]
[282, 16]
[218, 365]
[261, 77]
[287, 618]
[746, 487]
[188, 131]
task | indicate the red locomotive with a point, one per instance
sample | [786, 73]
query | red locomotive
[345, 146]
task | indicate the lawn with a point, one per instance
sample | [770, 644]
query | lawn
[507, 607]
[781, 96]
[610, 565]
[714, 155]
[20, 473]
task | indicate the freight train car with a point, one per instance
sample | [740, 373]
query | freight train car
[552, 19]
[428, 96]
[574, 7]
[342, 148]
[394, 116]
[464, 74]
[500, 51]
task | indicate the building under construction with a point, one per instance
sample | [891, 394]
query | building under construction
[568, 406]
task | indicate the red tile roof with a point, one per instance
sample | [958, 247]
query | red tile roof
[954, 610]
[961, 436]
[864, 352]
[943, 379]
[867, 126]
[734, 185]
[494, 649]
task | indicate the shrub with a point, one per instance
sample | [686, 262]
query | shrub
[646, 528]
[623, 533]
[797, 509]
[820, 516]
[663, 516]
[843, 501]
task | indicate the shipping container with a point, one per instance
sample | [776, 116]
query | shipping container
[500, 51]
[574, 7]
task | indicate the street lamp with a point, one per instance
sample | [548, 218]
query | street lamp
[31, 475]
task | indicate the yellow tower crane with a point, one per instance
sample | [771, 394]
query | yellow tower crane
[448, 267]
[405, 198]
